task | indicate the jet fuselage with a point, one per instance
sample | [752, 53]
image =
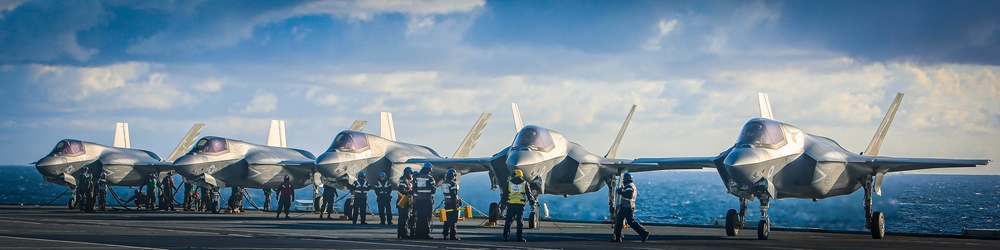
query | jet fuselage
[122, 166]
[223, 162]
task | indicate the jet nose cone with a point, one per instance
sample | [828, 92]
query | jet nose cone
[743, 164]
[529, 162]
[189, 166]
[744, 156]
[332, 164]
[51, 166]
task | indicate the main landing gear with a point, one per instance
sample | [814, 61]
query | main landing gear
[875, 222]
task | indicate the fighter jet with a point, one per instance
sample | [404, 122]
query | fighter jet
[352, 152]
[217, 162]
[552, 164]
[122, 165]
[775, 160]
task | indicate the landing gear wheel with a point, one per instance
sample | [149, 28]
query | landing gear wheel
[494, 212]
[69, 204]
[532, 220]
[763, 229]
[215, 207]
[878, 225]
[732, 217]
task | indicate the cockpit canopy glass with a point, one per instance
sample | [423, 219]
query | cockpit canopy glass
[533, 138]
[68, 148]
[210, 145]
[349, 141]
[762, 133]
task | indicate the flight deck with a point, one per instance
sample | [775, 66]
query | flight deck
[57, 227]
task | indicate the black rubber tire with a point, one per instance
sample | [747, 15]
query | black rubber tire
[532, 220]
[494, 212]
[69, 204]
[732, 218]
[215, 207]
[348, 208]
[763, 229]
[878, 225]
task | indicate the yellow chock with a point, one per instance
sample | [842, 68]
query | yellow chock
[441, 215]
[491, 223]
[468, 212]
[343, 217]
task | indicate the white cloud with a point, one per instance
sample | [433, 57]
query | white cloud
[664, 27]
[210, 85]
[117, 86]
[262, 102]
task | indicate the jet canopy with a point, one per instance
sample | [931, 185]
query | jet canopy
[760, 132]
[68, 148]
[210, 145]
[533, 138]
[349, 141]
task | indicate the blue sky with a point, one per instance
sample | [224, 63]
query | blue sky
[71, 69]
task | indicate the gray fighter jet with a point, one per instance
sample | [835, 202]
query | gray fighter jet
[552, 164]
[352, 152]
[122, 165]
[774, 160]
[217, 162]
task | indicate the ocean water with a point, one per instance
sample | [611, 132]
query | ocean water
[912, 203]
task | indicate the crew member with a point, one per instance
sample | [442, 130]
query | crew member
[626, 209]
[518, 192]
[167, 198]
[206, 199]
[451, 204]
[101, 191]
[236, 200]
[359, 192]
[329, 197]
[424, 189]
[267, 199]
[138, 197]
[86, 189]
[188, 196]
[405, 191]
[151, 192]
[383, 196]
[286, 195]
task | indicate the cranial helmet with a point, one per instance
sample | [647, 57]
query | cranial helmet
[407, 171]
[361, 175]
[627, 177]
[381, 175]
[451, 174]
[287, 178]
[518, 173]
[427, 168]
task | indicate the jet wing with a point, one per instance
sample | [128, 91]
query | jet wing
[892, 164]
[673, 163]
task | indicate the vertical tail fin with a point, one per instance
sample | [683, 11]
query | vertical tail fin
[387, 127]
[765, 106]
[121, 135]
[876, 143]
[186, 143]
[358, 125]
[470, 140]
[276, 134]
[517, 117]
[621, 133]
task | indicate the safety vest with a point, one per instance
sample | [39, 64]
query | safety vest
[449, 189]
[515, 193]
[424, 187]
[360, 188]
[383, 188]
[627, 195]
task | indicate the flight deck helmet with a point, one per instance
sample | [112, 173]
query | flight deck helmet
[426, 169]
[627, 177]
[361, 175]
[408, 171]
[452, 174]
[518, 173]
[381, 175]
